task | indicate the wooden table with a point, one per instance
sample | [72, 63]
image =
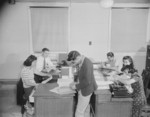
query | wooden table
[106, 106]
[49, 104]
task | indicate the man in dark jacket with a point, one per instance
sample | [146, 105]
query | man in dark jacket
[85, 84]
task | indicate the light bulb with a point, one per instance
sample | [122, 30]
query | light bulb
[106, 3]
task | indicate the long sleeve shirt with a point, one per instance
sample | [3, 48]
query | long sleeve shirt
[40, 63]
[27, 76]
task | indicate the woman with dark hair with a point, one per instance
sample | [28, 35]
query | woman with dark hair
[27, 75]
[128, 63]
[136, 83]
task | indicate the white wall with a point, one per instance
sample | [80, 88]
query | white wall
[88, 22]
[14, 39]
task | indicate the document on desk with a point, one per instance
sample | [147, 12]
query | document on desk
[64, 82]
[63, 90]
[103, 84]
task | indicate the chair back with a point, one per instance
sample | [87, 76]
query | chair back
[20, 93]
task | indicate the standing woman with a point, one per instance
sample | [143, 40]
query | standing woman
[86, 83]
[27, 75]
[136, 82]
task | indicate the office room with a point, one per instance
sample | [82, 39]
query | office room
[91, 29]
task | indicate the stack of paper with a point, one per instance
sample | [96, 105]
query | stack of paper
[103, 84]
[64, 82]
[62, 90]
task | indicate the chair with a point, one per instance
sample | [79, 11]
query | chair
[145, 112]
[21, 101]
[92, 105]
[146, 79]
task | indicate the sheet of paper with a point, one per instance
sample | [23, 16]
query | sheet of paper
[62, 90]
[103, 83]
[103, 87]
[64, 82]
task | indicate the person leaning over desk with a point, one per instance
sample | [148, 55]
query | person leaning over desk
[43, 66]
[85, 84]
[133, 79]
[27, 75]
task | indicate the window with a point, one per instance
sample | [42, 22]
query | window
[49, 27]
[129, 28]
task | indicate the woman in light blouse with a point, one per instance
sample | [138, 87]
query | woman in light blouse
[27, 75]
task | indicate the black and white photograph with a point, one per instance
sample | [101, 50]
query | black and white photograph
[75, 58]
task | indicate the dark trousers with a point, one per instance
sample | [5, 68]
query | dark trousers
[39, 79]
[28, 91]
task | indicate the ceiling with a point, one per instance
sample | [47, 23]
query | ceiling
[85, 1]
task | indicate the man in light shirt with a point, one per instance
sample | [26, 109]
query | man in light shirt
[43, 66]
[111, 62]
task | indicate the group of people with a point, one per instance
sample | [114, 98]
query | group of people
[37, 70]
[128, 75]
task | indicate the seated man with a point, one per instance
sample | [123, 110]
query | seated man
[111, 62]
[44, 66]
[109, 67]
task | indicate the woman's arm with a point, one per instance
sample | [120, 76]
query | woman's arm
[41, 73]
[45, 81]
[125, 79]
[129, 81]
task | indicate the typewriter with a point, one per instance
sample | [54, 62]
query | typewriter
[119, 91]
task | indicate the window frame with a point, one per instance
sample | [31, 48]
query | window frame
[47, 5]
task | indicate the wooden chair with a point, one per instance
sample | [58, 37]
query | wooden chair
[145, 111]
[21, 101]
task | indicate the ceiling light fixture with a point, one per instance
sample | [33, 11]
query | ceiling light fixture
[106, 3]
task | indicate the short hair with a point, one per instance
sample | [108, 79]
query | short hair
[111, 54]
[45, 49]
[73, 55]
[29, 60]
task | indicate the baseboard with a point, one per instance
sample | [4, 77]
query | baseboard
[8, 81]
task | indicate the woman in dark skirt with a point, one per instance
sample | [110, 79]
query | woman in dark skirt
[136, 82]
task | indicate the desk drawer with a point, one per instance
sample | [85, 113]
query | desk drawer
[113, 109]
[54, 107]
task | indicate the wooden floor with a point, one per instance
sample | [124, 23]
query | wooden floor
[8, 107]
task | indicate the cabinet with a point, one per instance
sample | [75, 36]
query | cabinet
[49, 104]
[105, 106]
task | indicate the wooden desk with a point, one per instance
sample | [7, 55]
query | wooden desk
[105, 106]
[49, 104]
